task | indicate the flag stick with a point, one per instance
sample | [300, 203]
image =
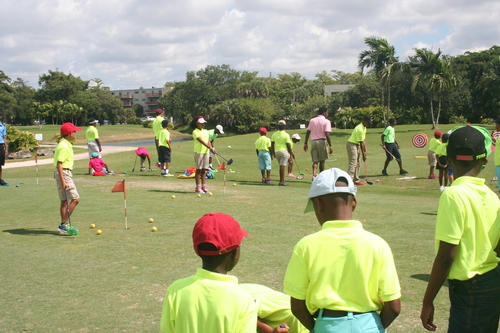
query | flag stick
[125, 203]
[36, 164]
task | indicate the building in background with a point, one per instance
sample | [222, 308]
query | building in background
[147, 98]
[332, 89]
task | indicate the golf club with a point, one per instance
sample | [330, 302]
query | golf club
[366, 175]
[133, 169]
[297, 164]
[331, 160]
[394, 157]
[229, 162]
[71, 231]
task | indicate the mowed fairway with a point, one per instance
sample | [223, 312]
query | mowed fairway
[116, 281]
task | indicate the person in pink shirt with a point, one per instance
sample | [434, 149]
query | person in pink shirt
[319, 130]
[143, 153]
[97, 166]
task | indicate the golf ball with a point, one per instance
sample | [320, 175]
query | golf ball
[153, 229]
[99, 232]
[210, 194]
[377, 180]
[199, 195]
[234, 184]
[151, 220]
[307, 169]
[229, 147]
[17, 185]
[173, 197]
[92, 226]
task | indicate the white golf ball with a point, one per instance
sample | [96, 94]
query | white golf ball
[229, 147]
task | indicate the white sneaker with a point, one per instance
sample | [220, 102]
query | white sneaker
[441, 188]
[168, 175]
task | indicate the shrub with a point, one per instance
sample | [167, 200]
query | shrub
[487, 121]
[147, 124]
[20, 140]
[458, 120]
[134, 120]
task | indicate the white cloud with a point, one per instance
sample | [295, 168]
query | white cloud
[134, 43]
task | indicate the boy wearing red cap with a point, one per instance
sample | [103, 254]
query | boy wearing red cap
[264, 157]
[211, 300]
[431, 154]
[63, 161]
[467, 240]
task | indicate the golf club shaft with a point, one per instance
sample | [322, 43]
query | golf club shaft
[394, 157]
[221, 157]
[133, 169]
[297, 164]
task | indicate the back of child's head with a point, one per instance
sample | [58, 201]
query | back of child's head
[438, 134]
[444, 138]
[468, 144]
[392, 121]
[215, 235]
[164, 123]
[296, 137]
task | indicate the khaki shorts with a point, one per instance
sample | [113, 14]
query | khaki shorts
[93, 148]
[201, 161]
[319, 150]
[282, 156]
[71, 191]
[431, 157]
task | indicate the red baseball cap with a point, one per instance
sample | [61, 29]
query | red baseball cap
[219, 229]
[68, 128]
[438, 133]
[159, 111]
[263, 130]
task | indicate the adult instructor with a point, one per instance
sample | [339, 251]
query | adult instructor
[319, 129]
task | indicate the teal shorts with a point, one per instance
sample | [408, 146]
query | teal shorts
[352, 323]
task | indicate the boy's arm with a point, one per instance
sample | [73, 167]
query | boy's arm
[390, 311]
[60, 172]
[363, 150]
[98, 144]
[208, 145]
[382, 139]
[300, 311]
[290, 152]
[440, 269]
[272, 149]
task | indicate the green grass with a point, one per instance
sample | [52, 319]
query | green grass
[115, 282]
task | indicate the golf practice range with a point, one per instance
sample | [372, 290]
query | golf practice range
[111, 279]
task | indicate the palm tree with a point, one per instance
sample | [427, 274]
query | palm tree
[381, 56]
[435, 74]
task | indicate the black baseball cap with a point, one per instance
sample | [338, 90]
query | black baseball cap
[368, 119]
[469, 143]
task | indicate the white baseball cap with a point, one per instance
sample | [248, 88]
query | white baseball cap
[201, 120]
[296, 136]
[220, 128]
[325, 184]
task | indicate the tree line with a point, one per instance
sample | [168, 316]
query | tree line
[428, 87]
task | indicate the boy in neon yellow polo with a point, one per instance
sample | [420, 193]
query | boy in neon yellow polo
[164, 149]
[355, 145]
[342, 292]
[211, 300]
[63, 161]
[262, 148]
[467, 240]
[281, 149]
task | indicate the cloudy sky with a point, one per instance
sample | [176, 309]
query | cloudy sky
[131, 43]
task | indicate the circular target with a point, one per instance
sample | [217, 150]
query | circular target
[419, 140]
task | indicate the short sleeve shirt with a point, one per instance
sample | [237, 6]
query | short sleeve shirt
[91, 134]
[142, 150]
[324, 283]
[389, 135]
[163, 138]
[200, 148]
[433, 144]
[64, 154]
[3, 132]
[358, 135]
[263, 143]
[157, 126]
[212, 135]
[280, 139]
[208, 302]
[468, 217]
[441, 149]
[318, 126]
[97, 164]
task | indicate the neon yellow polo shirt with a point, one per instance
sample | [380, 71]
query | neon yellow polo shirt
[208, 302]
[433, 144]
[64, 154]
[157, 126]
[263, 143]
[163, 137]
[342, 267]
[212, 135]
[200, 148]
[441, 149]
[467, 217]
[497, 156]
[389, 134]
[358, 135]
[280, 139]
[273, 307]
[91, 133]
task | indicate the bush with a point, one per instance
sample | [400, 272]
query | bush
[134, 121]
[487, 121]
[147, 124]
[458, 120]
[20, 140]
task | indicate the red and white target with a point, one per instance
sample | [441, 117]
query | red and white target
[420, 140]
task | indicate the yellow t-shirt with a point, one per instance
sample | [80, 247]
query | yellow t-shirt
[263, 143]
[441, 149]
[433, 144]
[358, 135]
[280, 139]
[342, 267]
[163, 138]
[157, 126]
[64, 154]
[274, 307]
[208, 302]
[91, 133]
[200, 148]
[468, 217]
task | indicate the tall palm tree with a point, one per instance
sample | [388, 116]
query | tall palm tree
[380, 56]
[435, 74]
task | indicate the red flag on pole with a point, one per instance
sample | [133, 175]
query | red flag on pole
[119, 186]
[222, 166]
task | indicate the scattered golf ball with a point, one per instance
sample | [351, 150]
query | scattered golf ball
[99, 232]
[234, 184]
[199, 195]
[229, 147]
[377, 180]
[153, 229]
[151, 220]
[92, 226]
[307, 169]
[17, 185]
[173, 196]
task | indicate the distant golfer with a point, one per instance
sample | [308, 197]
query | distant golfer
[212, 135]
[356, 146]
[92, 136]
[4, 149]
[143, 153]
[295, 139]
[202, 147]
[156, 131]
[319, 129]
[391, 147]
[264, 155]
[281, 148]
[97, 166]
[431, 153]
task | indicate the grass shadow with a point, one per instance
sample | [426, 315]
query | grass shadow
[425, 278]
[31, 232]
[427, 213]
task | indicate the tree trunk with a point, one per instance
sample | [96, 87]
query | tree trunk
[439, 110]
[434, 125]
